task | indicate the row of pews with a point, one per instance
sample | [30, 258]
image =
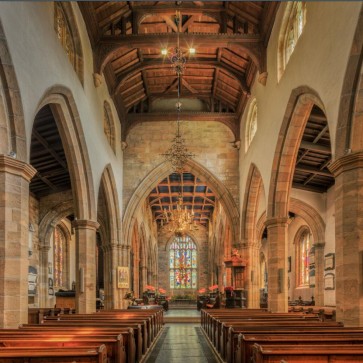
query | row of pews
[114, 336]
[258, 336]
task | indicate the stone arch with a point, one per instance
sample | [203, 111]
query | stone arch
[162, 171]
[311, 217]
[12, 126]
[297, 112]
[253, 190]
[51, 219]
[68, 121]
[108, 183]
[260, 226]
[349, 130]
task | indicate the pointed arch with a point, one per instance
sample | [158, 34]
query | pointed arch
[12, 126]
[297, 112]
[162, 171]
[108, 183]
[253, 190]
[311, 217]
[66, 115]
[349, 129]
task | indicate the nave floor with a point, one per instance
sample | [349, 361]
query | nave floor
[182, 342]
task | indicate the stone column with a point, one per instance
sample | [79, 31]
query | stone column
[348, 173]
[85, 232]
[252, 255]
[43, 276]
[107, 276]
[319, 273]
[136, 277]
[143, 278]
[15, 176]
[277, 264]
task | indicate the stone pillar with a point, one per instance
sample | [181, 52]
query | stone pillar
[348, 173]
[136, 277]
[107, 276]
[277, 264]
[252, 256]
[43, 276]
[319, 273]
[85, 232]
[15, 176]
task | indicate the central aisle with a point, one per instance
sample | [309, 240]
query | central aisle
[182, 342]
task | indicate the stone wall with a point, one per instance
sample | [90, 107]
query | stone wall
[210, 142]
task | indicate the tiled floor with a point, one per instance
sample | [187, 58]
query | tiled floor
[179, 313]
[181, 343]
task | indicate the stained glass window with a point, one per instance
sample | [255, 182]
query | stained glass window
[59, 243]
[183, 263]
[294, 28]
[305, 245]
[251, 123]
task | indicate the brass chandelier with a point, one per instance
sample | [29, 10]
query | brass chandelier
[179, 219]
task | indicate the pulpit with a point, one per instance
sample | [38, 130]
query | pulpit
[238, 267]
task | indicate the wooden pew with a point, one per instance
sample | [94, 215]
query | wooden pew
[54, 355]
[148, 321]
[114, 345]
[227, 339]
[80, 332]
[140, 332]
[307, 353]
[246, 341]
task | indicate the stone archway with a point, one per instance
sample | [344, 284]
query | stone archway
[46, 228]
[64, 109]
[162, 171]
[250, 244]
[111, 245]
[317, 227]
[297, 112]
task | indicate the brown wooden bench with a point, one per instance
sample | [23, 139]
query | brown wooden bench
[114, 345]
[227, 340]
[140, 332]
[54, 355]
[244, 350]
[132, 351]
[307, 353]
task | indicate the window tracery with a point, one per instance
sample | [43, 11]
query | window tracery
[183, 263]
[67, 34]
[59, 257]
[291, 30]
[108, 125]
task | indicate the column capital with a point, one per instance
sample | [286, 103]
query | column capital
[16, 167]
[44, 248]
[85, 224]
[271, 222]
[346, 163]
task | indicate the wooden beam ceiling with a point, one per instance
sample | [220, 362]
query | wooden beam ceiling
[230, 40]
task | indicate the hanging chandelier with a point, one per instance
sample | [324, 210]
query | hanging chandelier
[178, 218]
[178, 154]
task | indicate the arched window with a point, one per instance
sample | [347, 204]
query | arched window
[59, 257]
[67, 33]
[183, 263]
[251, 126]
[292, 27]
[108, 126]
[303, 246]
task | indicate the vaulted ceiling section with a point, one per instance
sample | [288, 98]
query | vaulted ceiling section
[229, 38]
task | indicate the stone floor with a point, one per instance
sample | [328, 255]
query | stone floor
[182, 342]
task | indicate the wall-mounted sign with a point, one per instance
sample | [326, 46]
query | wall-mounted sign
[123, 277]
